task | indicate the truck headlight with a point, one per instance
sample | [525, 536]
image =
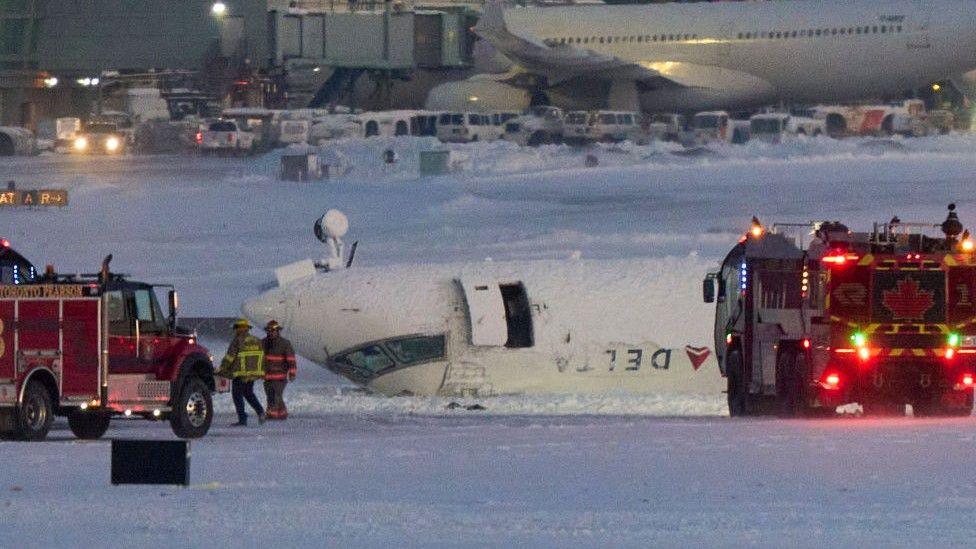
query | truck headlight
[112, 144]
[81, 144]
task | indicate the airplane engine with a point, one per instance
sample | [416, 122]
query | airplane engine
[477, 94]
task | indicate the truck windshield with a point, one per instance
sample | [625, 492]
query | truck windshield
[708, 121]
[765, 125]
[102, 128]
[576, 118]
[223, 127]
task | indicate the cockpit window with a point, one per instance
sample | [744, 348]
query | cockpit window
[417, 349]
[371, 358]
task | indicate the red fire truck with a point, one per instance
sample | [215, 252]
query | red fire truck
[91, 347]
[881, 318]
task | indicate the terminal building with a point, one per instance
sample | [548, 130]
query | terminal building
[64, 57]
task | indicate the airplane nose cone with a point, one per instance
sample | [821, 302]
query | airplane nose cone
[265, 307]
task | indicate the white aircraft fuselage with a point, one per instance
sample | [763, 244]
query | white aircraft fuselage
[704, 55]
[483, 329]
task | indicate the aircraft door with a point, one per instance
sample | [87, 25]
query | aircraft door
[486, 313]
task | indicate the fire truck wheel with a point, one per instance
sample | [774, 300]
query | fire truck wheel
[193, 410]
[88, 425]
[736, 387]
[36, 413]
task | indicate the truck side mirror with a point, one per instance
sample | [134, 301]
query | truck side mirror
[708, 289]
[174, 305]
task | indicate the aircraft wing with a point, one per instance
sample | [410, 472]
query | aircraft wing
[560, 62]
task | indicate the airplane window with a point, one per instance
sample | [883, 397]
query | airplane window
[371, 359]
[874, 29]
[640, 38]
[899, 28]
[883, 29]
[818, 32]
[850, 30]
[687, 36]
[417, 349]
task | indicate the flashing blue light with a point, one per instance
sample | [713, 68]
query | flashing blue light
[743, 277]
[16, 274]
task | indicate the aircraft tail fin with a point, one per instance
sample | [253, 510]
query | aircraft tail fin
[492, 21]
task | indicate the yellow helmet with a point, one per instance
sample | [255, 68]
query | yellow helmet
[242, 323]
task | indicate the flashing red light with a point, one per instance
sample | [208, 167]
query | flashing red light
[4, 243]
[199, 137]
[863, 353]
[806, 343]
[839, 258]
[967, 380]
[950, 352]
[832, 381]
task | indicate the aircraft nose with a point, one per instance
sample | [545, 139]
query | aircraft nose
[265, 307]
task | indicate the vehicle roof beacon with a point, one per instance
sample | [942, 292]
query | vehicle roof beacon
[952, 226]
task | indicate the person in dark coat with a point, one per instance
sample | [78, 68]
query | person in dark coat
[280, 368]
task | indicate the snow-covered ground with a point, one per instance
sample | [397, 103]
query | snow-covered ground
[471, 479]
[356, 470]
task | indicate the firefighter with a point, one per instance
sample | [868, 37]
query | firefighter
[244, 364]
[280, 368]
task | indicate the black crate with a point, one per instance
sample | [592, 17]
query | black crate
[151, 462]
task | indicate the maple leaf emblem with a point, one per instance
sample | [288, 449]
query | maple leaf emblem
[906, 301]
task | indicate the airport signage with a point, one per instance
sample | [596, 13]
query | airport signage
[40, 197]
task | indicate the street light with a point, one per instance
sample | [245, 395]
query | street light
[218, 9]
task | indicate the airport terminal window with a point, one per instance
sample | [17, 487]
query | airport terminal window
[371, 359]
[417, 349]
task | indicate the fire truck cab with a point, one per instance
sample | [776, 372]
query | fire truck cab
[91, 347]
[882, 318]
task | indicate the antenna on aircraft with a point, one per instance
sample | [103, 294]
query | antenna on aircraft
[329, 229]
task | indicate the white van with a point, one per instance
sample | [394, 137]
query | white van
[294, 132]
[386, 123]
[604, 126]
[537, 126]
[465, 127]
[718, 126]
[779, 127]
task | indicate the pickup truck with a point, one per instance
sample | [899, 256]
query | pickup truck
[225, 136]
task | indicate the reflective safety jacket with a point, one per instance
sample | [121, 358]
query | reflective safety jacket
[244, 359]
[279, 359]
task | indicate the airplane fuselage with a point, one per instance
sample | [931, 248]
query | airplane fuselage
[730, 54]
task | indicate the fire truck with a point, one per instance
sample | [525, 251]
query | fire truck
[94, 347]
[882, 318]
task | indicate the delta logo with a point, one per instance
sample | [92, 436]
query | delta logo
[907, 301]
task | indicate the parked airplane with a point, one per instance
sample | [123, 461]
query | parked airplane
[712, 55]
[495, 328]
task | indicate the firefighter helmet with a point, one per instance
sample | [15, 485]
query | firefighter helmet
[272, 326]
[242, 323]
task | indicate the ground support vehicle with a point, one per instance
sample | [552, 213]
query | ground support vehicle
[467, 127]
[92, 348]
[100, 138]
[666, 126]
[226, 136]
[717, 126]
[779, 127]
[882, 318]
[538, 126]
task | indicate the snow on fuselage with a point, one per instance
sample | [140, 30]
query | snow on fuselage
[494, 328]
